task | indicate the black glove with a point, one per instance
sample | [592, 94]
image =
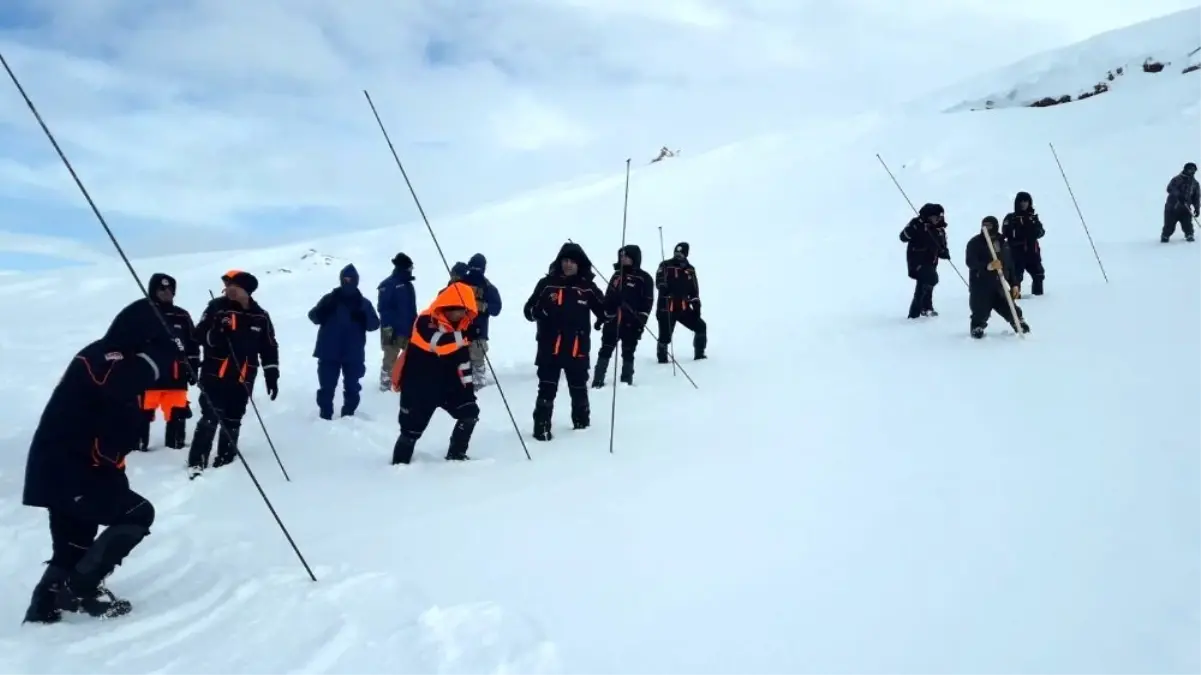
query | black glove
[696, 305]
[944, 254]
[227, 324]
[193, 373]
[271, 377]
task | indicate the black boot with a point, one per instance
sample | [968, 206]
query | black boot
[699, 342]
[581, 411]
[1036, 288]
[543, 411]
[82, 590]
[227, 444]
[977, 332]
[202, 444]
[627, 369]
[661, 352]
[144, 432]
[402, 452]
[43, 607]
[460, 437]
[598, 373]
[176, 436]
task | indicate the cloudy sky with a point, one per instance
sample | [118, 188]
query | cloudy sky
[208, 124]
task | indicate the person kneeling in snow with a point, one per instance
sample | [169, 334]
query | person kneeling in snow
[76, 464]
[435, 372]
[985, 295]
[345, 317]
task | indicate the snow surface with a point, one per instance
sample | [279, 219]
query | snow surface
[847, 491]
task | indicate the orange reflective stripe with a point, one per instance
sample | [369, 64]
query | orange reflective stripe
[575, 347]
[98, 459]
[438, 331]
[223, 368]
[233, 321]
[175, 370]
[242, 373]
[559, 297]
[557, 341]
[397, 368]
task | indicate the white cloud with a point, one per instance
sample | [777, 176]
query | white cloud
[210, 113]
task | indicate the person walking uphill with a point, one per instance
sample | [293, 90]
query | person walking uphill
[345, 317]
[1183, 204]
[560, 306]
[238, 339]
[488, 302]
[172, 396]
[629, 300]
[435, 372]
[926, 243]
[1021, 230]
[679, 302]
[76, 464]
[985, 293]
[397, 302]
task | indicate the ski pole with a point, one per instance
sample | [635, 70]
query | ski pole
[902, 191]
[621, 280]
[671, 345]
[1078, 212]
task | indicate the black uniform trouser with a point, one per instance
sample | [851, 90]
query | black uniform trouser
[1028, 257]
[1173, 216]
[223, 403]
[689, 319]
[628, 333]
[575, 368]
[925, 278]
[984, 298]
[416, 411]
[127, 516]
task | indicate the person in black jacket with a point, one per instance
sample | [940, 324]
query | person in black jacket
[172, 396]
[628, 303]
[560, 305]
[985, 293]
[1183, 204]
[679, 302]
[926, 239]
[76, 464]
[238, 338]
[1021, 230]
[435, 372]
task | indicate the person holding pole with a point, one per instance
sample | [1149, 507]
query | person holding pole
[991, 280]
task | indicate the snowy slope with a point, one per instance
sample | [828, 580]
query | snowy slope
[847, 491]
[1172, 40]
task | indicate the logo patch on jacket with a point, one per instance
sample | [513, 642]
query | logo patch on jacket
[114, 356]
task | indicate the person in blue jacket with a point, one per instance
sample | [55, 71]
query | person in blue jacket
[345, 317]
[397, 310]
[487, 299]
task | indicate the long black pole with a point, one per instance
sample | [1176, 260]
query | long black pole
[621, 286]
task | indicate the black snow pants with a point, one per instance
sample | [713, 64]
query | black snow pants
[984, 298]
[628, 332]
[223, 404]
[1028, 257]
[87, 558]
[1173, 216]
[689, 319]
[556, 359]
[925, 278]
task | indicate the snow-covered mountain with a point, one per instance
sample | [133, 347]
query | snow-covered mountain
[844, 491]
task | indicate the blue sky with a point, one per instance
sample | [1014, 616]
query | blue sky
[210, 124]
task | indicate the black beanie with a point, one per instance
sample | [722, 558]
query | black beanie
[402, 261]
[159, 281]
[244, 280]
[682, 247]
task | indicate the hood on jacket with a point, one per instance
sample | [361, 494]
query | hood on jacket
[402, 262]
[682, 249]
[456, 295]
[991, 223]
[134, 327]
[244, 280]
[928, 211]
[1020, 197]
[1190, 169]
[349, 276]
[575, 253]
[631, 250]
[478, 262]
[159, 281]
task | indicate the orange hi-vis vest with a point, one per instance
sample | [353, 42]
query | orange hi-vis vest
[434, 332]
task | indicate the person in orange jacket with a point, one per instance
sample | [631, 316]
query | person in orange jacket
[435, 372]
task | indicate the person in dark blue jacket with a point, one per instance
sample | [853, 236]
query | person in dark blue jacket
[487, 299]
[397, 303]
[345, 317]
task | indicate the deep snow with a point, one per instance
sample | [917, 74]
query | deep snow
[847, 491]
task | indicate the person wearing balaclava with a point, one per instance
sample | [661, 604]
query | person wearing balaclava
[679, 302]
[76, 464]
[344, 318]
[1021, 230]
[925, 239]
[172, 396]
[238, 338]
[986, 293]
[1183, 204]
[397, 302]
[560, 306]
